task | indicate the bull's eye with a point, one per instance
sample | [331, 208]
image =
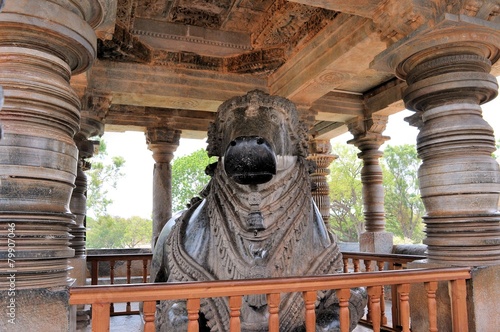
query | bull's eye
[232, 143]
[260, 140]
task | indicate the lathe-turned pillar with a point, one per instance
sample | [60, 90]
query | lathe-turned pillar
[94, 109]
[448, 79]
[368, 138]
[41, 44]
[447, 72]
[162, 142]
[320, 153]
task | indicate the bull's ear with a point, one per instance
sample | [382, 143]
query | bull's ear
[210, 169]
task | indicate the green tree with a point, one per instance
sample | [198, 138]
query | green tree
[101, 178]
[116, 232]
[188, 177]
[404, 208]
[137, 231]
[346, 208]
[105, 232]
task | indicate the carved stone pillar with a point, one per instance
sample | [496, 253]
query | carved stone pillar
[162, 142]
[447, 71]
[368, 138]
[94, 109]
[41, 44]
[320, 153]
[448, 78]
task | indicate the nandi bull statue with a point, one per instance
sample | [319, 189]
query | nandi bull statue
[257, 220]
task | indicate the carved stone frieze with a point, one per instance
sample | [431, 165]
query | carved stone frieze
[289, 24]
[257, 62]
[123, 47]
[125, 12]
[187, 60]
[396, 19]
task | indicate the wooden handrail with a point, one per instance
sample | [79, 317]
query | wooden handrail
[220, 288]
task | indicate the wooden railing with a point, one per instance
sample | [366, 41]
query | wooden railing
[366, 262]
[111, 260]
[353, 262]
[100, 297]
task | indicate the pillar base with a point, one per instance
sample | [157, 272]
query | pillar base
[483, 300]
[41, 309]
[379, 242]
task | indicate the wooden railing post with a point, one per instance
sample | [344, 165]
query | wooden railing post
[355, 263]
[100, 317]
[234, 307]
[193, 308]
[112, 282]
[396, 320]
[380, 266]
[95, 272]
[431, 288]
[273, 303]
[374, 293]
[310, 306]
[344, 295]
[345, 262]
[404, 306]
[149, 310]
[129, 264]
[459, 305]
[144, 270]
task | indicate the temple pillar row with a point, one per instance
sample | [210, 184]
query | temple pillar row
[368, 138]
[41, 44]
[162, 142]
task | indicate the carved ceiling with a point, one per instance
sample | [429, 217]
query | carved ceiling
[172, 62]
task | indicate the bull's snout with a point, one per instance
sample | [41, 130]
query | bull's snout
[250, 160]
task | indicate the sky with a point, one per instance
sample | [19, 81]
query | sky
[133, 195]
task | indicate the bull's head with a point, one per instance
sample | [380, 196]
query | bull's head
[256, 134]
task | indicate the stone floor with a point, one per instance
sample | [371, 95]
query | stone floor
[133, 323]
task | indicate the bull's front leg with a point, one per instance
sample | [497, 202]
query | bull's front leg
[327, 313]
[171, 316]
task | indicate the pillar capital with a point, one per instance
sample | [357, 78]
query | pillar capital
[367, 132]
[450, 35]
[163, 141]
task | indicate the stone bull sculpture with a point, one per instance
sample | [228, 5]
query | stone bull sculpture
[257, 220]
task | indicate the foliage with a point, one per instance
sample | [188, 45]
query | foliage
[116, 232]
[103, 230]
[188, 177]
[404, 208]
[346, 218]
[102, 177]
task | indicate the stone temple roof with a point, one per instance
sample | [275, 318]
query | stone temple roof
[173, 62]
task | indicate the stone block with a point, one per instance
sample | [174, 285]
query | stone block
[379, 242]
[42, 309]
